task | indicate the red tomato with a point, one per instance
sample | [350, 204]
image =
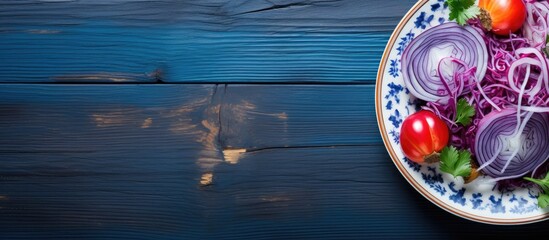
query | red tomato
[423, 134]
[507, 15]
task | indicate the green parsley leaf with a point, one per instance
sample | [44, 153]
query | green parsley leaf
[467, 14]
[464, 112]
[457, 163]
[462, 10]
[543, 198]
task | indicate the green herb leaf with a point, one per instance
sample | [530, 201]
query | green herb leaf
[543, 183]
[545, 49]
[543, 198]
[462, 10]
[464, 112]
[457, 163]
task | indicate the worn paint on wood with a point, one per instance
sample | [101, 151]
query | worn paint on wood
[215, 122]
[216, 41]
[151, 162]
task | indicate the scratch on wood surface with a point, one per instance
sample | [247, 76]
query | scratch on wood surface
[276, 198]
[276, 6]
[206, 179]
[116, 77]
[101, 77]
[247, 7]
[128, 117]
[43, 31]
[232, 156]
[147, 123]
[112, 118]
[280, 116]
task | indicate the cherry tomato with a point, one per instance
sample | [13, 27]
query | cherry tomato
[423, 134]
[507, 15]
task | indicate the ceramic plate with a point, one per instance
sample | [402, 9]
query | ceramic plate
[477, 201]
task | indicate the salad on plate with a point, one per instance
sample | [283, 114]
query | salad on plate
[482, 81]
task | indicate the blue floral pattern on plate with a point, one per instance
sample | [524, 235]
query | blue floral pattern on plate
[478, 200]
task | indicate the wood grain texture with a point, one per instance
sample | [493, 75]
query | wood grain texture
[132, 162]
[258, 116]
[209, 41]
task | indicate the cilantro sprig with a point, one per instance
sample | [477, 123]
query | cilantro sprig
[543, 198]
[464, 112]
[455, 162]
[462, 10]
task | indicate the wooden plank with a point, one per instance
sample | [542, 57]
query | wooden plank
[251, 116]
[195, 41]
[341, 192]
[146, 162]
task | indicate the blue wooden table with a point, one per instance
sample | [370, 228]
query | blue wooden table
[204, 119]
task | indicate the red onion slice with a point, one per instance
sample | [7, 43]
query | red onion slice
[536, 26]
[421, 60]
[503, 152]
